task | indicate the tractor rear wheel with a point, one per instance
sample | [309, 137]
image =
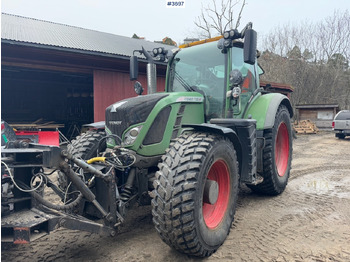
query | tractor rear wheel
[277, 155]
[195, 194]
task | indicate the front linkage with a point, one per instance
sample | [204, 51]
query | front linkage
[27, 214]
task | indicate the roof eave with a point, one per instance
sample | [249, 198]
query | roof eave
[73, 50]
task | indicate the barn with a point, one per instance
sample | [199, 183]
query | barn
[63, 74]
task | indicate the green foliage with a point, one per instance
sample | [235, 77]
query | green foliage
[135, 36]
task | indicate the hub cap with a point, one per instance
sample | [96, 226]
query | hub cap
[214, 213]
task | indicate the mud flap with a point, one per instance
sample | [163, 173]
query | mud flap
[242, 133]
[246, 131]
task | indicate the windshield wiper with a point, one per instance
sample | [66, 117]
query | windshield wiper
[184, 83]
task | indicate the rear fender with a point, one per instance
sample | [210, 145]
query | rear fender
[264, 109]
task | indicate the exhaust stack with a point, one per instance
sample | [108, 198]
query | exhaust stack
[151, 73]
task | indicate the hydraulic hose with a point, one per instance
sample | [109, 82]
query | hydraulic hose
[48, 204]
[96, 159]
[80, 185]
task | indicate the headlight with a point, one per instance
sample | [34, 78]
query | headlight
[227, 35]
[155, 51]
[131, 135]
[110, 141]
[227, 43]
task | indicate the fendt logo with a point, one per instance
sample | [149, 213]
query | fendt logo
[118, 123]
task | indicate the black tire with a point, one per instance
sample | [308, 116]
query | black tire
[277, 155]
[340, 136]
[85, 147]
[181, 217]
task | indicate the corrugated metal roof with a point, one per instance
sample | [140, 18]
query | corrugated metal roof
[43, 33]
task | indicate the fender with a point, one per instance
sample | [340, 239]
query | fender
[221, 130]
[225, 131]
[264, 109]
[241, 133]
[96, 125]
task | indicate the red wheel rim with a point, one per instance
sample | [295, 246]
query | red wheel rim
[282, 149]
[213, 214]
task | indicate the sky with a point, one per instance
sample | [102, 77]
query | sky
[153, 20]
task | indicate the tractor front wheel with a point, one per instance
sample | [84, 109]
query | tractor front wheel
[195, 194]
[84, 147]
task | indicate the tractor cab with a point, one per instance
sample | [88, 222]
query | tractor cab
[220, 75]
[201, 69]
[222, 69]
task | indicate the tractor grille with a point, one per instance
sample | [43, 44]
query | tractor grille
[131, 111]
[156, 132]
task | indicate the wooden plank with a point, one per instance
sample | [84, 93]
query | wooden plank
[305, 127]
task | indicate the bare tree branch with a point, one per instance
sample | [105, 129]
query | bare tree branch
[217, 18]
[203, 24]
[321, 73]
[240, 15]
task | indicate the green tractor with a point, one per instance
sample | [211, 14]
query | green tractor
[186, 150]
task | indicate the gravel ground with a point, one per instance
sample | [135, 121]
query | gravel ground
[310, 221]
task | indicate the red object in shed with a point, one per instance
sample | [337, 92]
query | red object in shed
[50, 138]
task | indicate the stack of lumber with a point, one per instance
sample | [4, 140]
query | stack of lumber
[305, 127]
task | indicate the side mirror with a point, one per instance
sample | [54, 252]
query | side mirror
[134, 68]
[250, 44]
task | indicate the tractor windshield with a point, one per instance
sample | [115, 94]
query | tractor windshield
[201, 69]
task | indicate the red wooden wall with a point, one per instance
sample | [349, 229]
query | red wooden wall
[110, 87]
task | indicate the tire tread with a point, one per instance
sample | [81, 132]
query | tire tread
[173, 203]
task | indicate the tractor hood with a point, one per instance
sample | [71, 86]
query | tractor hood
[130, 111]
[146, 124]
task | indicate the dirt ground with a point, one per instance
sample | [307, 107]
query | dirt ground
[310, 221]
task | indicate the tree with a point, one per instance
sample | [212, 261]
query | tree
[215, 18]
[295, 53]
[307, 55]
[135, 36]
[338, 61]
[333, 35]
[321, 73]
[168, 41]
[322, 39]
